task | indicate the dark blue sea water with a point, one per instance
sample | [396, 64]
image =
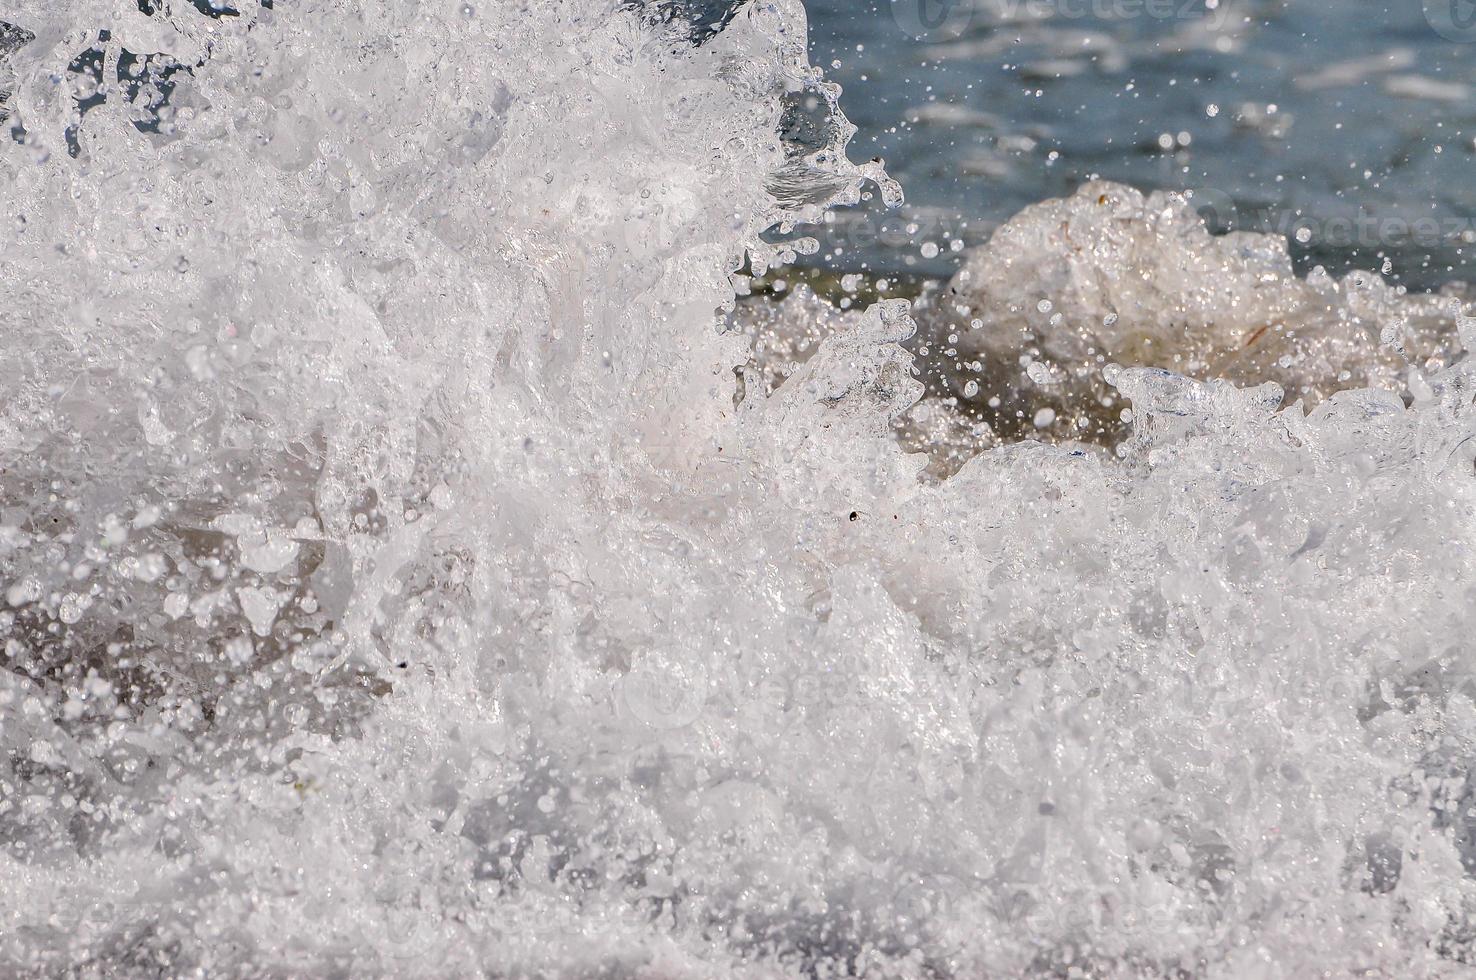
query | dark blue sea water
[1346, 125]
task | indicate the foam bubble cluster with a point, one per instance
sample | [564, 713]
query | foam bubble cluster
[1110, 275]
[406, 571]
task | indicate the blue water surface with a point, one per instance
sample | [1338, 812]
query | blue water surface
[1345, 125]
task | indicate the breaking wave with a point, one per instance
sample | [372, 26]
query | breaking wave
[418, 560]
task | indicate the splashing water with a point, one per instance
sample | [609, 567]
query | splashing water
[399, 581]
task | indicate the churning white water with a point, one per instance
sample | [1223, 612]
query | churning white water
[399, 578]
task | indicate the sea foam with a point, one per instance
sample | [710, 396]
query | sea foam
[410, 571]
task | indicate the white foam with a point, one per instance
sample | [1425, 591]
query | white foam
[579, 663]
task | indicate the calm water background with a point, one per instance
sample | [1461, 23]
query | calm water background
[1347, 126]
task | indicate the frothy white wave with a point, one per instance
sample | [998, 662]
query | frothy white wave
[395, 584]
